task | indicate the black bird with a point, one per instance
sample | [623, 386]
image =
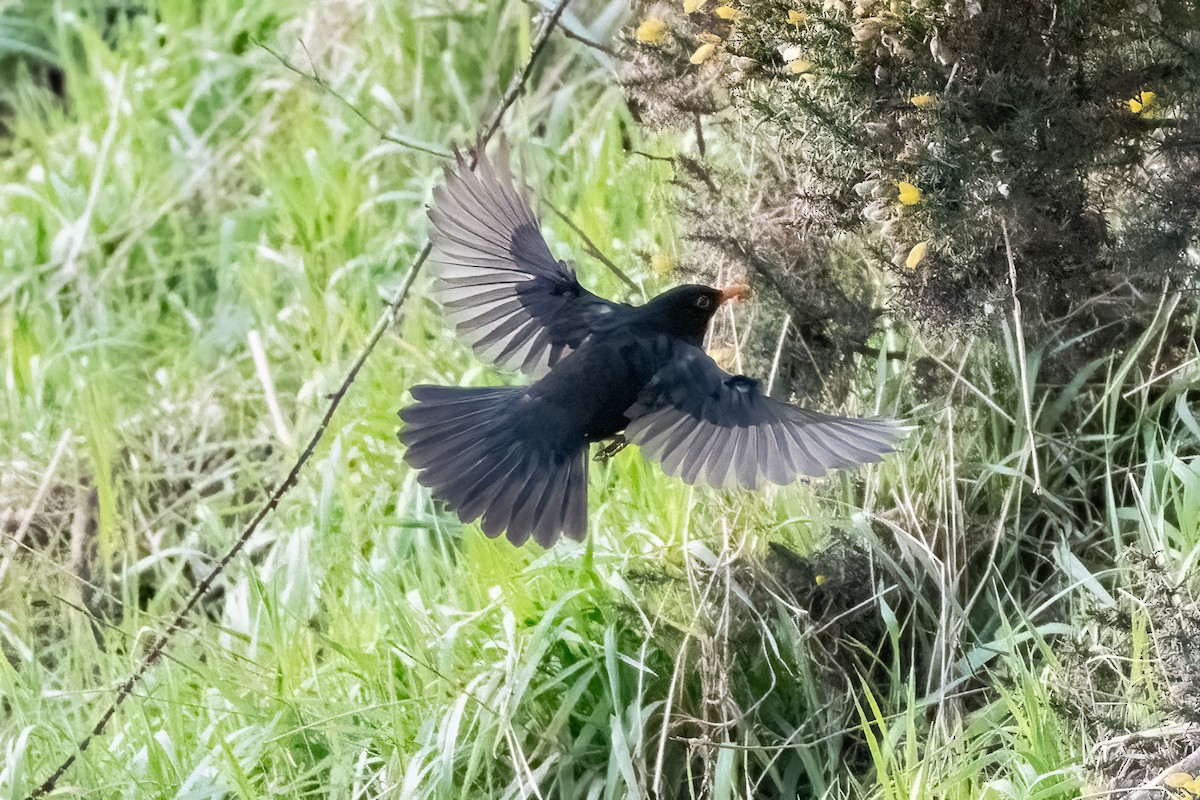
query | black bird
[517, 456]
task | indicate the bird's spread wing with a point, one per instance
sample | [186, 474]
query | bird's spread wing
[707, 426]
[506, 294]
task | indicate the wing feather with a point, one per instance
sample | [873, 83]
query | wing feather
[706, 426]
[508, 297]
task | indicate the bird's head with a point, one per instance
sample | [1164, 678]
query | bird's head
[686, 310]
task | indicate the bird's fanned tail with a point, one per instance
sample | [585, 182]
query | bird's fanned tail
[484, 453]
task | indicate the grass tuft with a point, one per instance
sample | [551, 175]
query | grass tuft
[199, 238]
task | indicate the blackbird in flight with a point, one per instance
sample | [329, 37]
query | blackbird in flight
[517, 456]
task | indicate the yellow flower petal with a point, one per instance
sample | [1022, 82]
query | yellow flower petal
[710, 38]
[1192, 786]
[1176, 780]
[661, 263]
[917, 254]
[923, 100]
[797, 18]
[692, 6]
[799, 66]
[727, 12]
[703, 53]
[910, 195]
[652, 30]
[726, 357]
[1140, 103]
[818, 579]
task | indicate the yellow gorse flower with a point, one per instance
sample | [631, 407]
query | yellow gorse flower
[652, 30]
[1176, 780]
[923, 100]
[793, 60]
[692, 6]
[796, 18]
[727, 12]
[910, 195]
[1182, 780]
[726, 357]
[917, 254]
[1141, 103]
[703, 53]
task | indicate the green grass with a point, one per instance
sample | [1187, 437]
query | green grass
[193, 201]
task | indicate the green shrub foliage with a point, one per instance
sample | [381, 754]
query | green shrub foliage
[943, 141]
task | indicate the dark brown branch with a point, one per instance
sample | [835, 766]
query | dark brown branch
[157, 649]
[320, 81]
[651, 157]
[608, 51]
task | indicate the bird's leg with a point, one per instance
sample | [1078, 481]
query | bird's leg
[618, 443]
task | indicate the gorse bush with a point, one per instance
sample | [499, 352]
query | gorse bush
[1002, 202]
[946, 140]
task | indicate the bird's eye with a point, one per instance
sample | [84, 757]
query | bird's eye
[703, 302]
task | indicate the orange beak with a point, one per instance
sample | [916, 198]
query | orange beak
[734, 292]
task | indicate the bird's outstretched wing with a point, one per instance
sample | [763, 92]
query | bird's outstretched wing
[707, 426]
[506, 294]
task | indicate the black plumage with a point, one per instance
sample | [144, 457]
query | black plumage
[516, 457]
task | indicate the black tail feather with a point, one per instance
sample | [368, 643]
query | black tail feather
[483, 452]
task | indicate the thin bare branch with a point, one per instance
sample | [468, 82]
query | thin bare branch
[592, 249]
[320, 81]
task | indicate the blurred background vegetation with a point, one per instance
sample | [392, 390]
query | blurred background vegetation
[981, 217]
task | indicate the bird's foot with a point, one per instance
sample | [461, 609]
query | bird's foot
[609, 450]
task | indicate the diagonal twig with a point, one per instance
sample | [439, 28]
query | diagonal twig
[317, 78]
[592, 249]
[156, 650]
